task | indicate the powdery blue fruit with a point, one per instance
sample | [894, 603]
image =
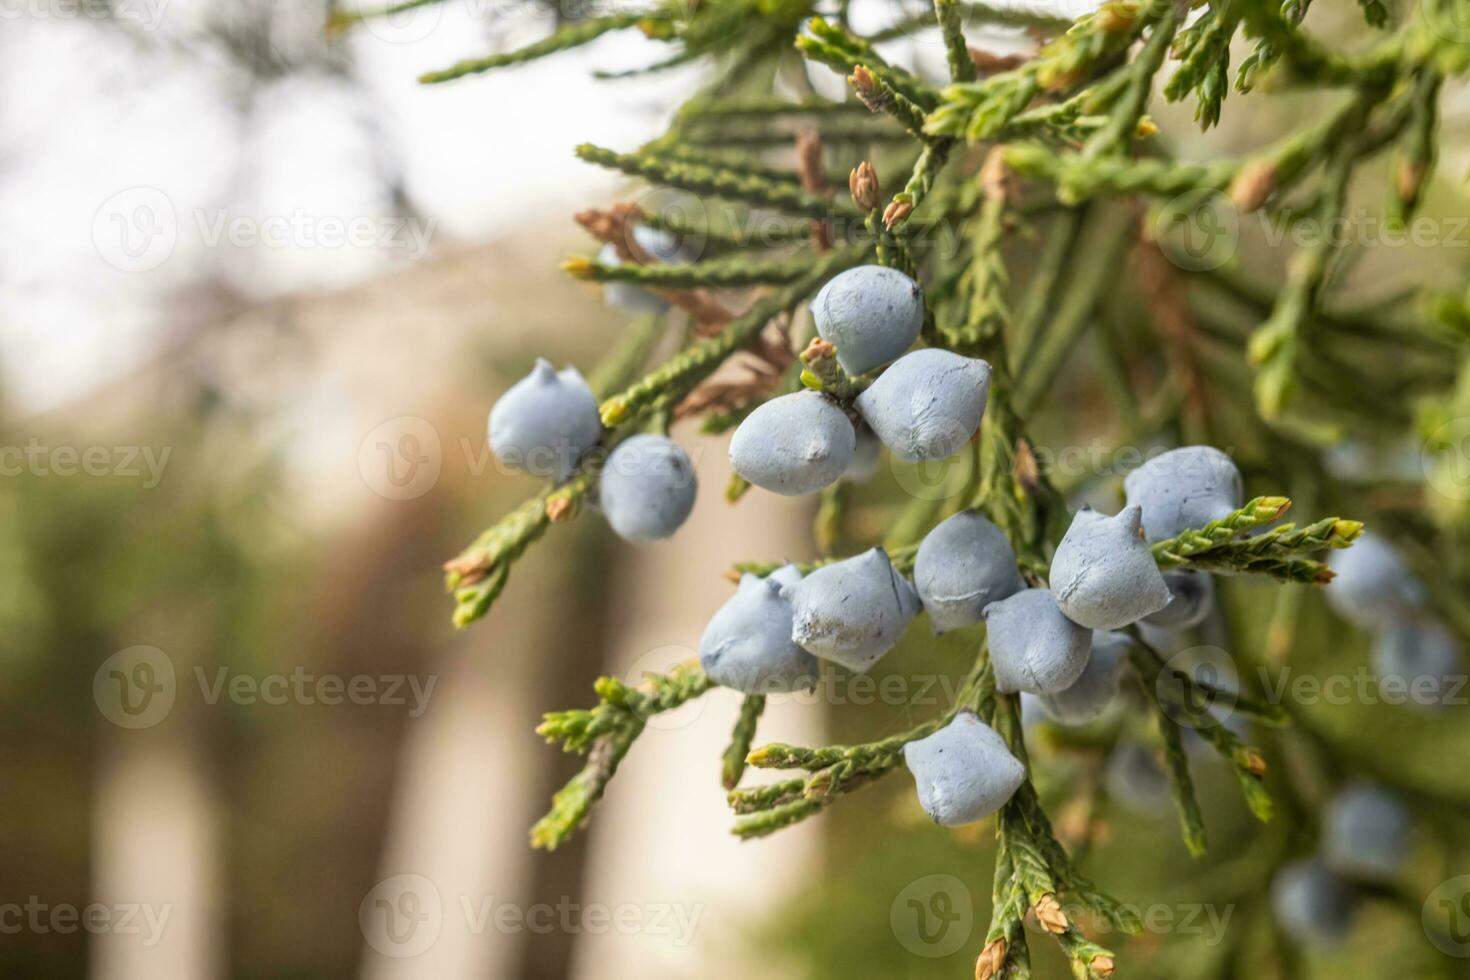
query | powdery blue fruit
[1192, 599]
[964, 772]
[928, 404]
[747, 645]
[852, 612]
[1419, 664]
[545, 423]
[1371, 586]
[1103, 575]
[1033, 647]
[964, 564]
[1313, 905]
[1182, 489]
[793, 445]
[1135, 779]
[1366, 833]
[1089, 698]
[647, 488]
[627, 296]
[871, 314]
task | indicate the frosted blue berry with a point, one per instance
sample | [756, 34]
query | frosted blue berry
[647, 488]
[747, 645]
[928, 404]
[871, 314]
[1419, 664]
[1033, 647]
[1312, 905]
[1366, 833]
[1135, 779]
[1192, 598]
[1371, 586]
[962, 566]
[793, 445]
[1103, 575]
[964, 772]
[1089, 698]
[852, 612]
[545, 423]
[632, 298]
[1182, 489]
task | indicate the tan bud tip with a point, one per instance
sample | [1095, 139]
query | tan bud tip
[1408, 178]
[1253, 185]
[1049, 913]
[863, 183]
[897, 210]
[559, 509]
[991, 959]
[817, 350]
[863, 81]
[1103, 966]
[1254, 763]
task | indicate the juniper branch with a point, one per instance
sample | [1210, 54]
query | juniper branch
[606, 733]
[570, 35]
[702, 179]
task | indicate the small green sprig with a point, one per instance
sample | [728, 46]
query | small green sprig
[606, 733]
[568, 36]
[741, 739]
[739, 270]
[698, 178]
[1282, 552]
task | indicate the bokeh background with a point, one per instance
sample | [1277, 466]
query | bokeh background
[258, 290]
